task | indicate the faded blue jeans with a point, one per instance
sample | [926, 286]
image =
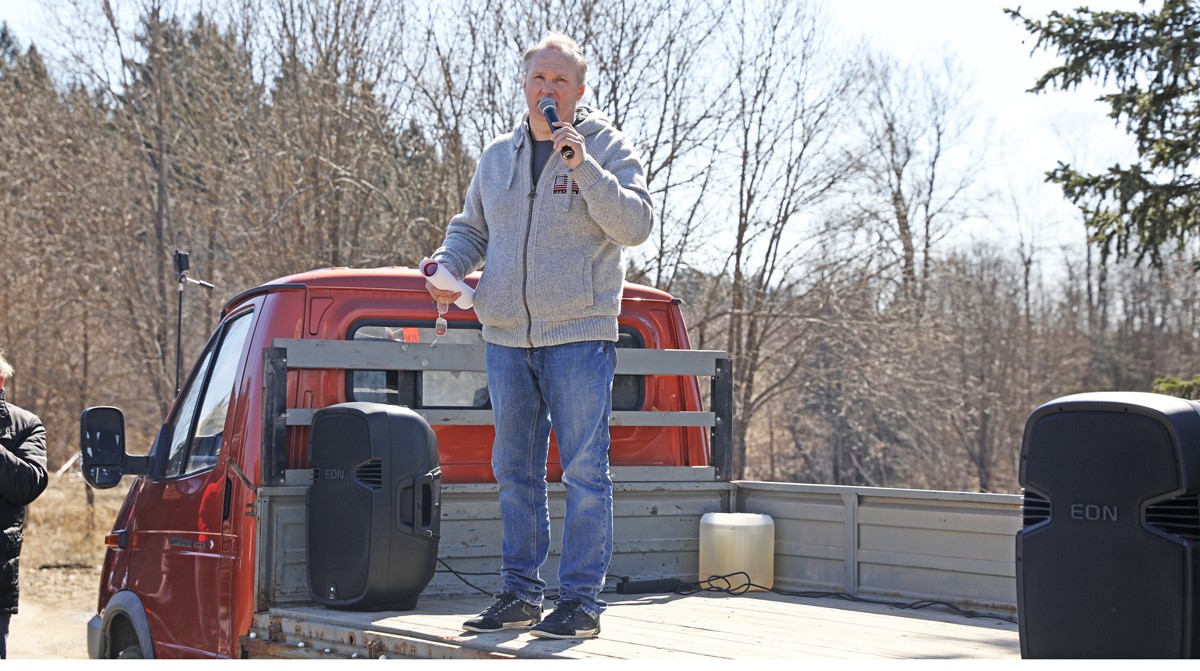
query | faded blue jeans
[571, 386]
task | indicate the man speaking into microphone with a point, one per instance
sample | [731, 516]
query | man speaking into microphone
[550, 209]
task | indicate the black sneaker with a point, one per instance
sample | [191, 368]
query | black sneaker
[568, 621]
[509, 612]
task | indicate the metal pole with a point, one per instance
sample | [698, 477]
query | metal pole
[722, 404]
[179, 335]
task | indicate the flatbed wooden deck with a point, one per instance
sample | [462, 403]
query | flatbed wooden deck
[702, 626]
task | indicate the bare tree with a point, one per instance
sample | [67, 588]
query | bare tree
[916, 167]
[804, 191]
[790, 91]
[652, 76]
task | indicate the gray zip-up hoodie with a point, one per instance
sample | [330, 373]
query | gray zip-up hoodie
[553, 248]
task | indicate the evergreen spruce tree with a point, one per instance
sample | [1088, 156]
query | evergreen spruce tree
[1149, 61]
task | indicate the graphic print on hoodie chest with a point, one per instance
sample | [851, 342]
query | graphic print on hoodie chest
[563, 183]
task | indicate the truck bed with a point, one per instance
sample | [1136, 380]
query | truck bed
[878, 545]
[701, 626]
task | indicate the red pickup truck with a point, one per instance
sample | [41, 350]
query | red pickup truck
[199, 546]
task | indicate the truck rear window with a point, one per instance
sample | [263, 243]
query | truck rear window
[453, 389]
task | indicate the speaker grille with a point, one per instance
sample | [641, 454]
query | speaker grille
[339, 535]
[1036, 509]
[370, 473]
[1179, 516]
[1096, 581]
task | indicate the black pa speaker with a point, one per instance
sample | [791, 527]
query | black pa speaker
[1107, 557]
[374, 511]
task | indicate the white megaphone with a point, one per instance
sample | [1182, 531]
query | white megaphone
[441, 278]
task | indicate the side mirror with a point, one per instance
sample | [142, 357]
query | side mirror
[102, 446]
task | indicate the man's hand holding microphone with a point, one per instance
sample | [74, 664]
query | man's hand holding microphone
[567, 141]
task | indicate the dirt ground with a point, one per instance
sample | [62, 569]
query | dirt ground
[51, 622]
[60, 569]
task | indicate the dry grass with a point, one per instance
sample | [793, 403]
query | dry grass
[64, 540]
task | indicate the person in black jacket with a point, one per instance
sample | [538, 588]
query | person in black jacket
[23, 478]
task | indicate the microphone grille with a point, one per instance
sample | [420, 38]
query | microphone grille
[545, 103]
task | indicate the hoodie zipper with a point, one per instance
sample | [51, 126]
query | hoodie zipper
[533, 182]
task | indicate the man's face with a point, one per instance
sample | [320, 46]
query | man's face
[552, 74]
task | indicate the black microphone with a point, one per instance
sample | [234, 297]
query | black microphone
[550, 110]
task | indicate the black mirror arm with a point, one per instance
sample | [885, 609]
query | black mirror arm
[139, 465]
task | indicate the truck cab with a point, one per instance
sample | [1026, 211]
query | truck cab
[182, 575]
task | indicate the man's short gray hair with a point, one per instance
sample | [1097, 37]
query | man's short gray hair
[559, 42]
[6, 369]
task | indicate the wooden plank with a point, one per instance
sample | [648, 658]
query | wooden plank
[915, 515]
[662, 473]
[637, 361]
[790, 490]
[700, 626]
[973, 591]
[443, 416]
[397, 355]
[951, 545]
[892, 558]
[381, 355]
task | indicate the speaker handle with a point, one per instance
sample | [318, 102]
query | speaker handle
[419, 484]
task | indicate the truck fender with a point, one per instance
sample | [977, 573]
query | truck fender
[125, 617]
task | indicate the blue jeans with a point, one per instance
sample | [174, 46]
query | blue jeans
[572, 384]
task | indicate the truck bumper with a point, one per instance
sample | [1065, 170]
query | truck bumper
[95, 635]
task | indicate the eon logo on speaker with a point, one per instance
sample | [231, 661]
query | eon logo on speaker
[334, 473]
[1091, 512]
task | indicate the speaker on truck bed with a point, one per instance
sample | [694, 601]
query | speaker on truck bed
[374, 508]
[1107, 559]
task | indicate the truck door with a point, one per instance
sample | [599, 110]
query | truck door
[179, 536]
